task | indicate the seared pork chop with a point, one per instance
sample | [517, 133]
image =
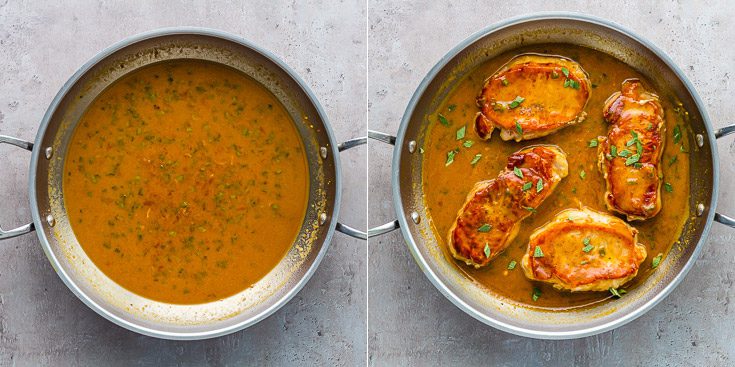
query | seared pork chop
[584, 250]
[490, 217]
[531, 96]
[630, 156]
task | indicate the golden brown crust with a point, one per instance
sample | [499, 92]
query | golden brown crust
[633, 177]
[554, 90]
[584, 250]
[493, 209]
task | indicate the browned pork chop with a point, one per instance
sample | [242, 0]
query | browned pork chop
[531, 96]
[630, 155]
[491, 215]
[584, 250]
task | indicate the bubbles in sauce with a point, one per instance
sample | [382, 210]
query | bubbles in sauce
[186, 182]
[445, 186]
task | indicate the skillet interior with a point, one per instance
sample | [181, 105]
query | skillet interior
[156, 318]
[422, 240]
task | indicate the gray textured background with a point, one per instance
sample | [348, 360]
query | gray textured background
[410, 322]
[42, 43]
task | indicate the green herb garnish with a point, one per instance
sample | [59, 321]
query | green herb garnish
[554, 74]
[582, 174]
[614, 151]
[530, 209]
[485, 228]
[519, 129]
[476, 159]
[527, 186]
[451, 107]
[450, 157]
[516, 102]
[505, 82]
[624, 153]
[487, 251]
[512, 265]
[632, 159]
[617, 292]
[656, 261]
[673, 160]
[468, 143]
[518, 172]
[565, 71]
[536, 294]
[539, 185]
[677, 134]
[537, 252]
[461, 132]
[443, 120]
[668, 187]
[592, 143]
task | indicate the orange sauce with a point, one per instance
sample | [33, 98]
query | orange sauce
[445, 187]
[186, 182]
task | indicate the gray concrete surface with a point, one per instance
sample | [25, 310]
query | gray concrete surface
[411, 323]
[42, 43]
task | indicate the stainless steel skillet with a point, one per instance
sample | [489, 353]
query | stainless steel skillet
[414, 217]
[140, 314]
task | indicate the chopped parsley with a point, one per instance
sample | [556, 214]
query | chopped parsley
[565, 71]
[592, 143]
[530, 209]
[516, 102]
[617, 292]
[451, 107]
[505, 82]
[527, 186]
[518, 172]
[554, 74]
[536, 294]
[677, 134]
[512, 265]
[582, 174]
[476, 159]
[519, 129]
[487, 251]
[656, 261]
[537, 252]
[539, 185]
[668, 187]
[450, 157]
[571, 83]
[485, 228]
[624, 153]
[461, 132]
[673, 160]
[614, 151]
[632, 159]
[468, 143]
[443, 120]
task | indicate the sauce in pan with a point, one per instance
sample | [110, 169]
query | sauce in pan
[445, 186]
[186, 182]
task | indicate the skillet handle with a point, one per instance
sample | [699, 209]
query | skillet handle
[721, 218]
[352, 232]
[28, 227]
[390, 226]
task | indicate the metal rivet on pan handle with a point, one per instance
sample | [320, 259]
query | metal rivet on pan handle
[700, 140]
[411, 146]
[415, 217]
[700, 209]
[50, 220]
[49, 152]
[323, 152]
